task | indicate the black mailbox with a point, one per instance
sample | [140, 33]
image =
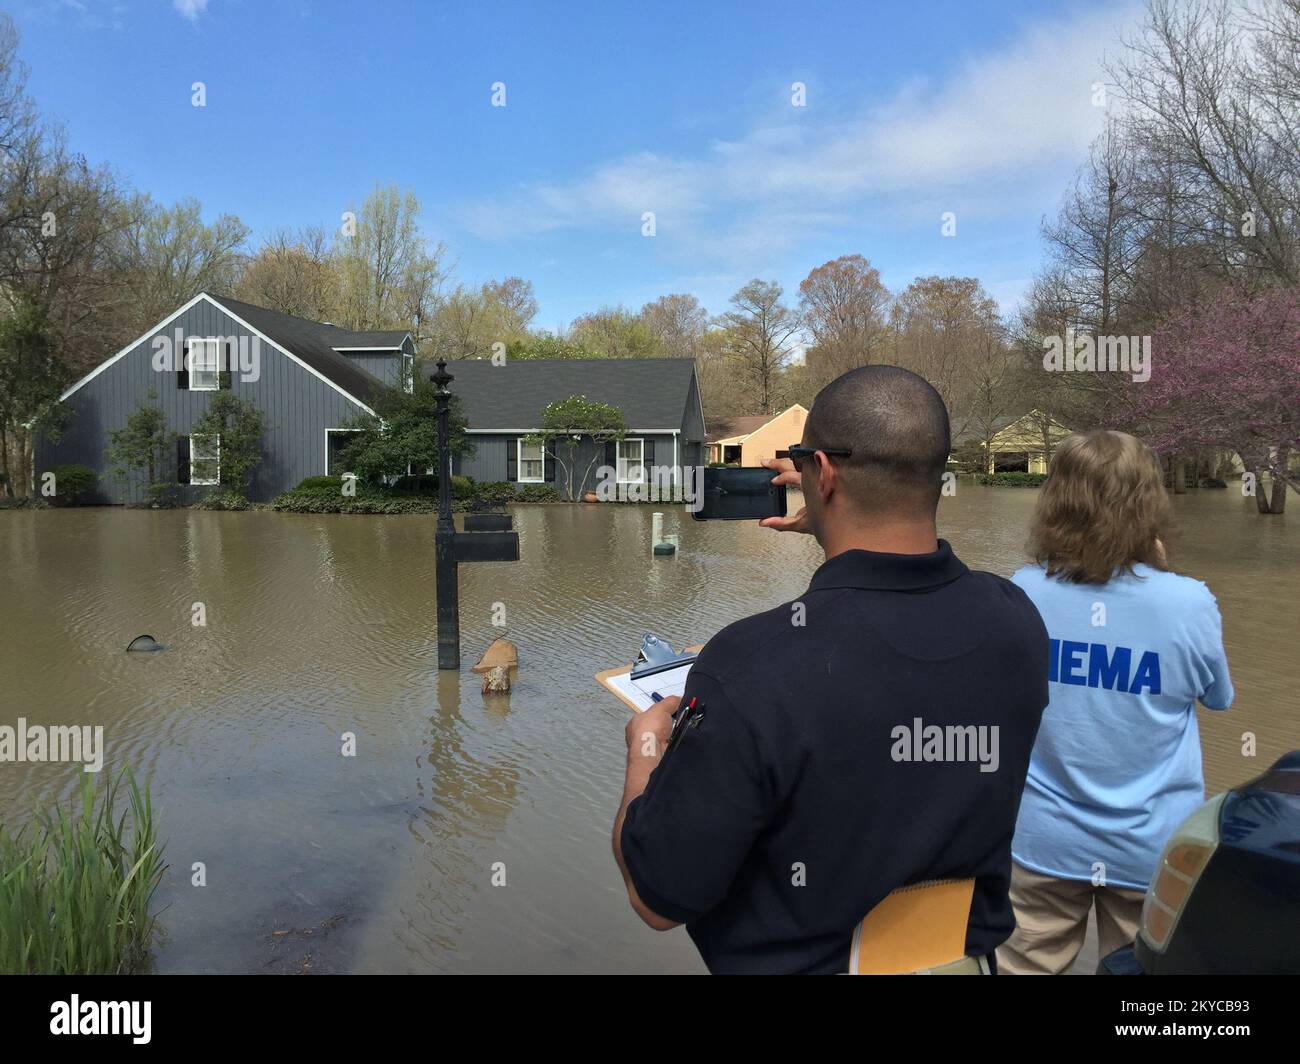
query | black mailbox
[487, 546]
[488, 522]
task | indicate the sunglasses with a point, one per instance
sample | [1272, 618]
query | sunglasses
[799, 455]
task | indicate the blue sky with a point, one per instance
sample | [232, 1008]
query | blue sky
[612, 109]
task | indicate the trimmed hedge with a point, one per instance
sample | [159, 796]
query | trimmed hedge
[1011, 480]
[324, 495]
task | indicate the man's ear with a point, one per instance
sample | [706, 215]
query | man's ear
[828, 480]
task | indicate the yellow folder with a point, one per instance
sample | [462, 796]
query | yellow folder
[916, 927]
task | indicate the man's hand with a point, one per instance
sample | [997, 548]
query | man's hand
[786, 474]
[655, 722]
[647, 735]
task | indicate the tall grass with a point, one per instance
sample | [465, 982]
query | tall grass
[75, 889]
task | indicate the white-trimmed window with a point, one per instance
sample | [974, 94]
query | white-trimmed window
[631, 457]
[205, 459]
[335, 442]
[204, 364]
[408, 373]
[532, 463]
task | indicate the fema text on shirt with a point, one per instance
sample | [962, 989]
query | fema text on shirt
[1096, 665]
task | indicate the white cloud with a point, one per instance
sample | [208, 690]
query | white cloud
[190, 9]
[987, 130]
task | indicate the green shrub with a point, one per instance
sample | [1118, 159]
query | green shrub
[367, 500]
[73, 484]
[495, 492]
[537, 493]
[427, 484]
[222, 498]
[334, 484]
[23, 502]
[75, 889]
[1011, 480]
[328, 497]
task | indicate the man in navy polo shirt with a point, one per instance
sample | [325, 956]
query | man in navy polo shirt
[873, 734]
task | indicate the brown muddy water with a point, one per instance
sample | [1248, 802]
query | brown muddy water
[321, 625]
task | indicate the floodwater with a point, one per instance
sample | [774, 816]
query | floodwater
[319, 626]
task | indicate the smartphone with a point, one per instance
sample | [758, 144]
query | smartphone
[745, 494]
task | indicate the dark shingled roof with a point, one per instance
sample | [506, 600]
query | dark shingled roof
[724, 428]
[651, 392]
[384, 339]
[310, 341]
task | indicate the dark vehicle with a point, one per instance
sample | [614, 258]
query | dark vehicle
[1226, 895]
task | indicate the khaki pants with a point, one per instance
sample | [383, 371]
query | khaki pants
[1052, 920]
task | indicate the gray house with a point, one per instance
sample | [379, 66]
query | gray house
[659, 399]
[311, 379]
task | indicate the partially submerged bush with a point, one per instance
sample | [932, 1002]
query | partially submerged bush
[73, 484]
[1011, 480]
[75, 889]
[334, 484]
[222, 498]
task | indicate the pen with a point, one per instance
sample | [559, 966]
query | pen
[682, 720]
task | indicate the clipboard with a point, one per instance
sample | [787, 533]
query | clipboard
[668, 678]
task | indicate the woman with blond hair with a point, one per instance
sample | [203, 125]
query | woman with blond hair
[1116, 766]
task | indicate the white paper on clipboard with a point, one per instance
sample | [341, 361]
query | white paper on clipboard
[640, 693]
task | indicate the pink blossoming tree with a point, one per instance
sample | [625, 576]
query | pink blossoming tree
[1227, 375]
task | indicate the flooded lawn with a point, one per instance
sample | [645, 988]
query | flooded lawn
[322, 625]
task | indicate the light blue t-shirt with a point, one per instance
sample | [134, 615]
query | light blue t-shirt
[1117, 763]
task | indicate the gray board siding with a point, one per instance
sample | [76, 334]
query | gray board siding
[490, 462]
[386, 365]
[296, 404]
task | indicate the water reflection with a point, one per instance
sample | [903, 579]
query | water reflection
[320, 626]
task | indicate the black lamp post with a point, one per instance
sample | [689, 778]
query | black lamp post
[483, 540]
[445, 537]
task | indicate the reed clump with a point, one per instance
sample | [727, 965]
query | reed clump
[76, 886]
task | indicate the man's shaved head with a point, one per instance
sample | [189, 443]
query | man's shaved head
[896, 425]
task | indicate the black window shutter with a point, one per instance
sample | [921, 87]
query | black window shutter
[223, 379]
[549, 460]
[512, 458]
[182, 459]
[648, 456]
[611, 453]
[183, 373]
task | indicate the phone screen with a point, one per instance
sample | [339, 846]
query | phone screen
[746, 494]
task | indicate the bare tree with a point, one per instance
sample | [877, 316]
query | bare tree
[760, 332]
[845, 310]
[1212, 89]
[294, 274]
[678, 323]
[940, 323]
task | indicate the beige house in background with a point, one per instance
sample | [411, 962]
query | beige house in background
[1019, 445]
[747, 441]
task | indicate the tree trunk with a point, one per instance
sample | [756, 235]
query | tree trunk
[1277, 504]
[1261, 500]
[4, 462]
[1180, 474]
